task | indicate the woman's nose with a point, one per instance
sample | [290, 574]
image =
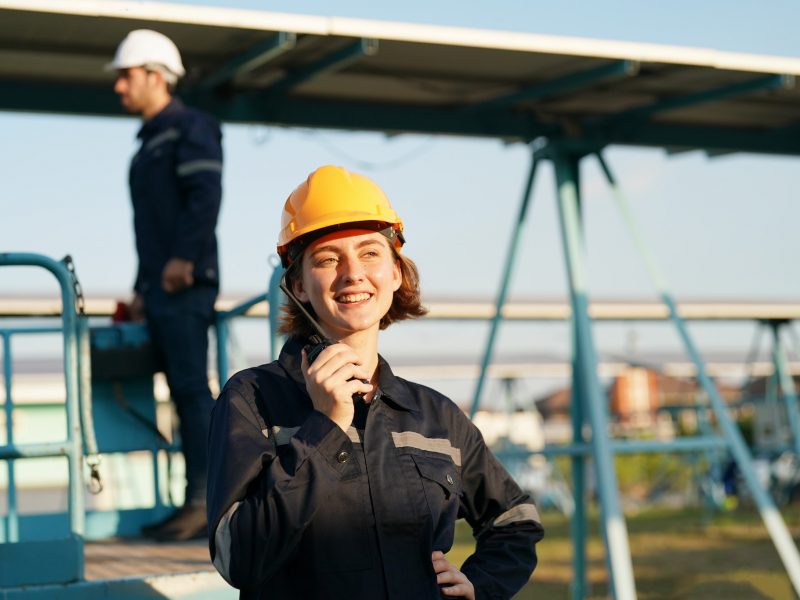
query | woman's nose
[352, 269]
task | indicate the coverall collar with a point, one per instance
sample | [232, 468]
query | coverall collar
[157, 122]
[391, 386]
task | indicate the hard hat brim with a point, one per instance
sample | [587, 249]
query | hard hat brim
[391, 231]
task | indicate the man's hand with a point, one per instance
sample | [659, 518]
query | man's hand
[136, 308]
[452, 581]
[177, 275]
[332, 379]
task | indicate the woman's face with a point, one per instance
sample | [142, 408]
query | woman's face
[349, 277]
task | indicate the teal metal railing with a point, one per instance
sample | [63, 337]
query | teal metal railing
[69, 550]
[272, 298]
[11, 519]
[223, 319]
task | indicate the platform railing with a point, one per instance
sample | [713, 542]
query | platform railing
[63, 554]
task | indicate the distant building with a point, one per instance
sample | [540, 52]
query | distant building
[639, 399]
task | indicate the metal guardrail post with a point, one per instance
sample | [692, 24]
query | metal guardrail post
[12, 518]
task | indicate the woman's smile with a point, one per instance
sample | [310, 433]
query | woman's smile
[351, 298]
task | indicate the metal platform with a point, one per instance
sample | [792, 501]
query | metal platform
[129, 569]
[120, 558]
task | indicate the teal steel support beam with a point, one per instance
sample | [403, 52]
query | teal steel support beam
[737, 89]
[258, 55]
[274, 299]
[333, 62]
[615, 534]
[784, 544]
[579, 587]
[384, 117]
[562, 85]
[717, 140]
[389, 118]
[787, 388]
[504, 283]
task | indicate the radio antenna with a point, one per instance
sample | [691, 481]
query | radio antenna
[293, 298]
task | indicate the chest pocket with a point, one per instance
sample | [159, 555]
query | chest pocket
[441, 485]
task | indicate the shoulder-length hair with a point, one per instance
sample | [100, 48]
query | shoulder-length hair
[406, 303]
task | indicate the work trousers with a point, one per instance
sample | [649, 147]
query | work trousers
[178, 325]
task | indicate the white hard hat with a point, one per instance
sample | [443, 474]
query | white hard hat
[145, 47]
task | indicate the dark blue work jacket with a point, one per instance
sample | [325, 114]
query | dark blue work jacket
[176, 190]
[299, 508]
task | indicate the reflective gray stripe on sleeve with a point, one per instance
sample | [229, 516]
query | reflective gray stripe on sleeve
[195, 166]
[282, 435]
[222, 544]
[412, 439]
[521, 512]
[164, 136]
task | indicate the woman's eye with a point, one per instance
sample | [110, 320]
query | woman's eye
[326, 261]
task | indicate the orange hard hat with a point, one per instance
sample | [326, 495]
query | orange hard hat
[333, 198]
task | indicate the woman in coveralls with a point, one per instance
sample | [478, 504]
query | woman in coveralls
[335, 478]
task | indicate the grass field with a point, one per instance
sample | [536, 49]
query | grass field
[676, 554]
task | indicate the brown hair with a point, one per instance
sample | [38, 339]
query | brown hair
[406, 303]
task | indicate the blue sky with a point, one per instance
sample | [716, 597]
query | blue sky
[720, 228]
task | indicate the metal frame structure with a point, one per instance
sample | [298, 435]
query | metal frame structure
[589, 404]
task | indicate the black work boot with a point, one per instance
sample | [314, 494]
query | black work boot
[150, 529]
[188, 523]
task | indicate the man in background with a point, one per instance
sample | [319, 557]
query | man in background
[175, 185]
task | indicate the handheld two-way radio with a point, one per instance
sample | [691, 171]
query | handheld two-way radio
[318, 341]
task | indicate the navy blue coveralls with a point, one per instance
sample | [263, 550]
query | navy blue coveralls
[298, 508]
[176, 190]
